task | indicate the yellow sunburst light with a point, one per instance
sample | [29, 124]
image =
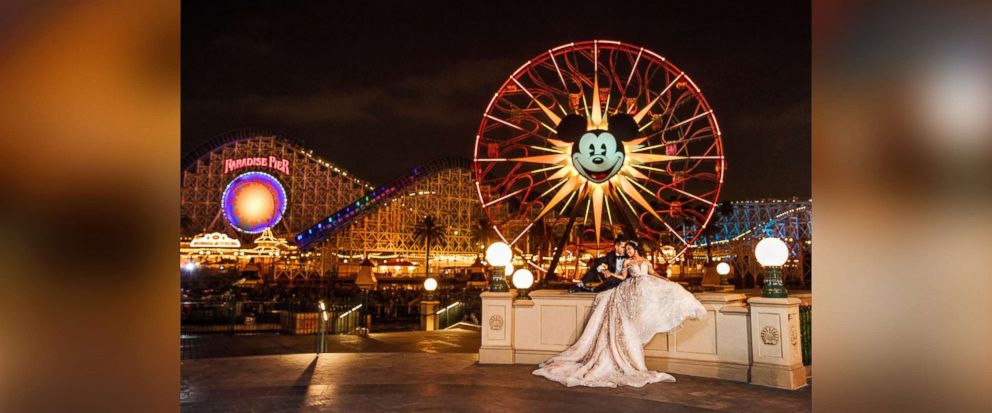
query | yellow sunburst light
[568, 184]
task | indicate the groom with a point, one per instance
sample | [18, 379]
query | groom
[614, 263]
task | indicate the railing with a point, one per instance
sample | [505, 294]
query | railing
[341, 319]
[450, 315]
[806, 332]
[346, 322]
[256, 316]
[228, 317]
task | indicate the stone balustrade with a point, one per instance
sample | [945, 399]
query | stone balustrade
[723, 345]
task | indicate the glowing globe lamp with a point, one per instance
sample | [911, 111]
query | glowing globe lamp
[523, 279]
[723, 268]
[499, 255]
[772, 253]
[430, 284]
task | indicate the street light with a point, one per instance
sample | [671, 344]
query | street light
[430, 285]
[771, 253]
[723, 269]
[523, 279]
[321, 341]
[499, 255]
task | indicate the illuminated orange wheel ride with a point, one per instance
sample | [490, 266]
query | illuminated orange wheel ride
[599, 134]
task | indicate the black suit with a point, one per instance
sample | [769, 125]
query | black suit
[593, 275]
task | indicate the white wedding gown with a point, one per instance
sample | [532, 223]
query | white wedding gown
[610, 351]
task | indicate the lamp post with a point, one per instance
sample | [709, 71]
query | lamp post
[430, 285]
[772, 253]
[428, 307]
[498, 255]
[723, 269]
[322, 343]
[523, 279]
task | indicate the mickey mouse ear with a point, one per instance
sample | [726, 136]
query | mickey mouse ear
[571, 127]
[623, 127]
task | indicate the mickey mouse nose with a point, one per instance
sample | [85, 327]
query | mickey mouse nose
[598, 160]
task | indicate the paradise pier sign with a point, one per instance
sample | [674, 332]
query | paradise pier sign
[281, 165]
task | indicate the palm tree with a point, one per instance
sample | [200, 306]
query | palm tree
[430, 231]
[482, 232]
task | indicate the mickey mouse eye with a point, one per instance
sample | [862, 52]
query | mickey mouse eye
[602, 147]
[592, 149]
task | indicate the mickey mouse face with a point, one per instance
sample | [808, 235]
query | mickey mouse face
[597, 154]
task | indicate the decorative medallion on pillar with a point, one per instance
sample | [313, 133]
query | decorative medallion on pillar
[496, 322]
[794, 335]
[769, 335]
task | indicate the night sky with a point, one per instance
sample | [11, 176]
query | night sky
[378, 89]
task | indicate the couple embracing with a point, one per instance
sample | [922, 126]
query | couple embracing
[632, 304]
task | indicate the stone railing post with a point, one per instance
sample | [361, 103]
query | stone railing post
[775, 342]
[428, 320]
[497, 328]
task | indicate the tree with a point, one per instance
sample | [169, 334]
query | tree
[482, 232]
[429, 230]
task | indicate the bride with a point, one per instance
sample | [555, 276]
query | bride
[610, 351]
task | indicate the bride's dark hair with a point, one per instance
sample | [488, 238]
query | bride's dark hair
[636, 246]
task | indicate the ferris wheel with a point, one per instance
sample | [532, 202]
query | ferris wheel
[602, 135]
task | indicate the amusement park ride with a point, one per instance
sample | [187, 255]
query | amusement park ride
[603, 135]
[582, 143]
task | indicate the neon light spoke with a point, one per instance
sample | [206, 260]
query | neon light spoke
[487, 204]
[545, 159]
[585, 218]
[505, 123]
[551, 115]
[521, 233]
[567, 201]
[652, 157]
[675, 233]
[627, 201]
[644, 111]
[690, 195]
[541, 148]
[633, 68]
[650, 168]
[560, 183]
[609, 215]
[557, 69]
[639, 185]
[682, 122]
[585, 105]
[545, 169]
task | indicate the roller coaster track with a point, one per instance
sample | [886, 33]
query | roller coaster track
[759, 229]
[333, 223]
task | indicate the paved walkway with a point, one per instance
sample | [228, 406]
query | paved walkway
[455, 340]
[386, 382]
